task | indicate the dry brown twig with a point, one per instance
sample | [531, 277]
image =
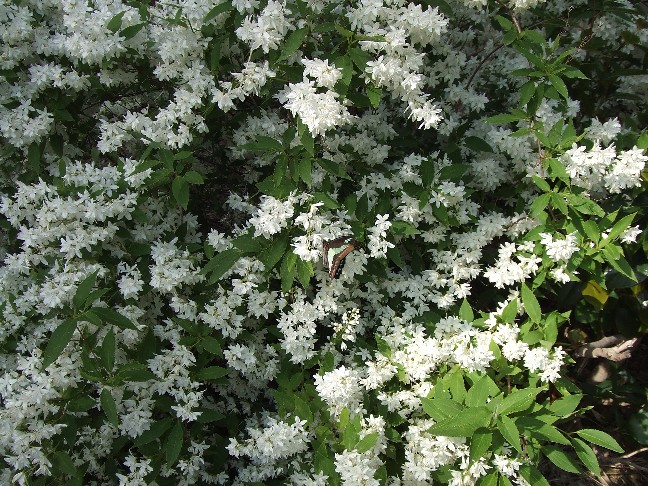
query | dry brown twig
[615, 348]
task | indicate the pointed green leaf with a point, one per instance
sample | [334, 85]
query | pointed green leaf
[58, 341]
[221, 263]
[83, 290]
[561, 459]
[509, 431]
[586, 454]
[180, 189]
[367, 442]
[211, 373]
[531, 304]
[600, 438]
[113, 317]
[479, 443]
[463, 424]
[292, 43]
[440, 408]
[174, 444]
[107, 350]
[109, 407]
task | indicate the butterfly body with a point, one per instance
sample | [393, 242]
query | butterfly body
[334, 253]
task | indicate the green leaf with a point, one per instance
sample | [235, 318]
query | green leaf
[466, 312]
[136, 372]
[463, 424]
[618, 228]
[107, 350]
[292, 43]
[559, 85]
[374, 94]
[83, 290]
[510, 311]
[307, 140]
[180, 189]
[532, 475]
[518, 400]
[212, 345]
[174, 444]
[561, 459]
[193, 177]
[531, 304]
[216, 11]
[509, 431]
[600, 438]
[488, 480]
[305, 171]
[540, 204]
[586, 454]
[541, 183]
[109, 407]
[58, 341]
[367, 442]
[453, 172]
[34, 158]
[63, 462]
[264, 144]
[477, 144]
[211, 373]
[359, 58]
[565, 405]
[271, 256]
[114, 24]
[478, 393]
[221, 263]
[479, 443]
[441, 408]
[132, 30]
[113, 317]
[333, 168]
[526, 92]
[304, 272]
[328, 201]
[155, 432]
[302, 410]
[403, 228]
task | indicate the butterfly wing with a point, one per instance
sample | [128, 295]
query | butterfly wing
[335, 251]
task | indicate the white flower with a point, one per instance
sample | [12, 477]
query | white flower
[318, 111]
[560, 250]
[324, 75]
[340, 389]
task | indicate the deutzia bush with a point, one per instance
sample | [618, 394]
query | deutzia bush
[172, 170]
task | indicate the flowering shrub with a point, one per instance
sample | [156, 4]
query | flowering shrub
[172, 171]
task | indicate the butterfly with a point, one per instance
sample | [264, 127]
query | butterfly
[334, 253]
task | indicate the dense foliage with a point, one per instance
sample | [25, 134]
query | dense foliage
[174, 172]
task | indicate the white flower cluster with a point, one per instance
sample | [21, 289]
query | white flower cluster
[172, 267]
[397, 68]
[425, 452]
[357, 469]
[318, 111]
[272, 216]
[138, 470]
[341, 389]
[512, 265]
[604, 168]
[378, 244]
[559, 250]
[268, 29]
[171, 367]
[269, 442]
[250, 80]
